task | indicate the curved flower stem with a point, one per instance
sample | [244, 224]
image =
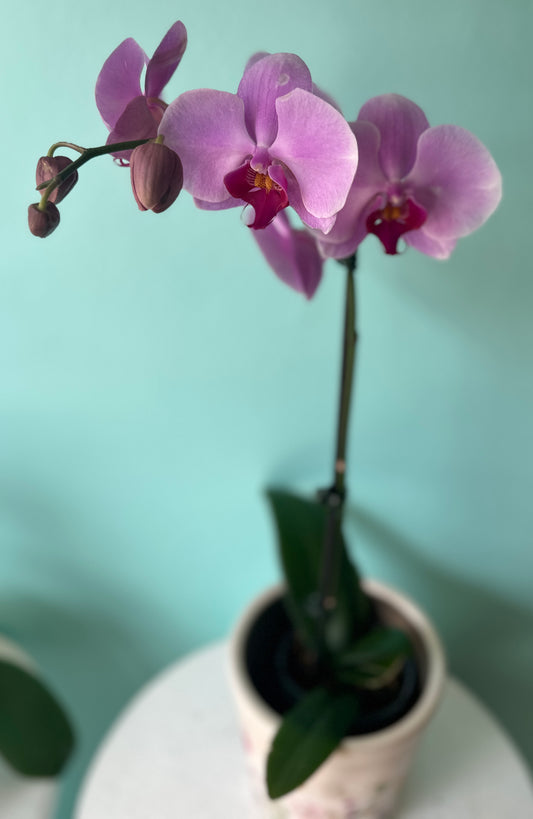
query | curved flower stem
[53, 148]
[334, 496]
[86, 155]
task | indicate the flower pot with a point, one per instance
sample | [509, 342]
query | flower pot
[364, 776]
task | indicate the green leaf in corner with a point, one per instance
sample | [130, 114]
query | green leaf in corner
[307, 736]
[35, 735]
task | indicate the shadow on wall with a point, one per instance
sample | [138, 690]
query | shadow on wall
[92, 665]
[488, 639]
[70, 618]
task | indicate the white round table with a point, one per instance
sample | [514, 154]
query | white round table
[175, 753]
[25, 798]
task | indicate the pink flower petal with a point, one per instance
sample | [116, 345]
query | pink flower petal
[228, 203]
[456, 180]
[166, 59]
[255, 58]
[286, 180]
[319, 92]
[206, 129]
[263, 81]
[292, 254]
[439, 249]
[400, 123]
[119, 80]
[136, 122]
[368, 184]
[315, 142]
[323, 224]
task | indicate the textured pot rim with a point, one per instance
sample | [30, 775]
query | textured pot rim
[432, 649]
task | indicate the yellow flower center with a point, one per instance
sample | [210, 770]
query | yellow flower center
[262, 180]
[391, 213]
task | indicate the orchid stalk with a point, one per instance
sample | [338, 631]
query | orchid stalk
[334, 496]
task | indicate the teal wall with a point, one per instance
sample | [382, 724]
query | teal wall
[155, 375]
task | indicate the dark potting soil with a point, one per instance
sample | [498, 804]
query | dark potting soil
[273, 670]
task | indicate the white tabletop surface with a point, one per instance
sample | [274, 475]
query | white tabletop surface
[25, 798]
[175, 752]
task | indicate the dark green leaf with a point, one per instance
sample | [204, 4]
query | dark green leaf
[307, 736]
[301, 526]
[379, 645]
[372, 659]
[35, 735]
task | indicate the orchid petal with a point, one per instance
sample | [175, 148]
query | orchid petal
[136, 122]
[324, 225]
[289, 184]
[400, 123]
[438, 248]
[315, 142]
[119, 80]
[319, 92]
[338, 250]
[263, 81]
[369, 182]
[255, 58]
[206, 129]
[166, 59]
[456, 180]
[292, 254]
[230, 202]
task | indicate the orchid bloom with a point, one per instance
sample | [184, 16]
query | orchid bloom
[128, 112]
[429, 186]
[272, 144]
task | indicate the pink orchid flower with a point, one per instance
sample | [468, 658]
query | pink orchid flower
[272, 144]
[128, 112]
[429, 186]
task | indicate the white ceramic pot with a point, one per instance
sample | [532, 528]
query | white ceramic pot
[362, 779]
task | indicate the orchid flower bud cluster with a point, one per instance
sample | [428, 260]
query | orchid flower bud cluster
[280, 142]
[44, 219]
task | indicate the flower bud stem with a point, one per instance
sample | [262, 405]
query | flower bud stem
[86, 155]
[53, 148]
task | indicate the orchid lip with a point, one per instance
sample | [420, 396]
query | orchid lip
[397, 217]
[260, 191]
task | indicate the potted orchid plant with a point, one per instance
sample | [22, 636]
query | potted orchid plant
[328, 656]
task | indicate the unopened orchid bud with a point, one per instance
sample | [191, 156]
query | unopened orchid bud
[50, 166]
[156, 176]
[43, 222]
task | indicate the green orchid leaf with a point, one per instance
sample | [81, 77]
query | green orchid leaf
[35, 735]
[375, 659]
[307, 736]
[301, 526]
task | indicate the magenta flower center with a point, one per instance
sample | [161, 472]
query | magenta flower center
[260, 191]
[398, 216]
